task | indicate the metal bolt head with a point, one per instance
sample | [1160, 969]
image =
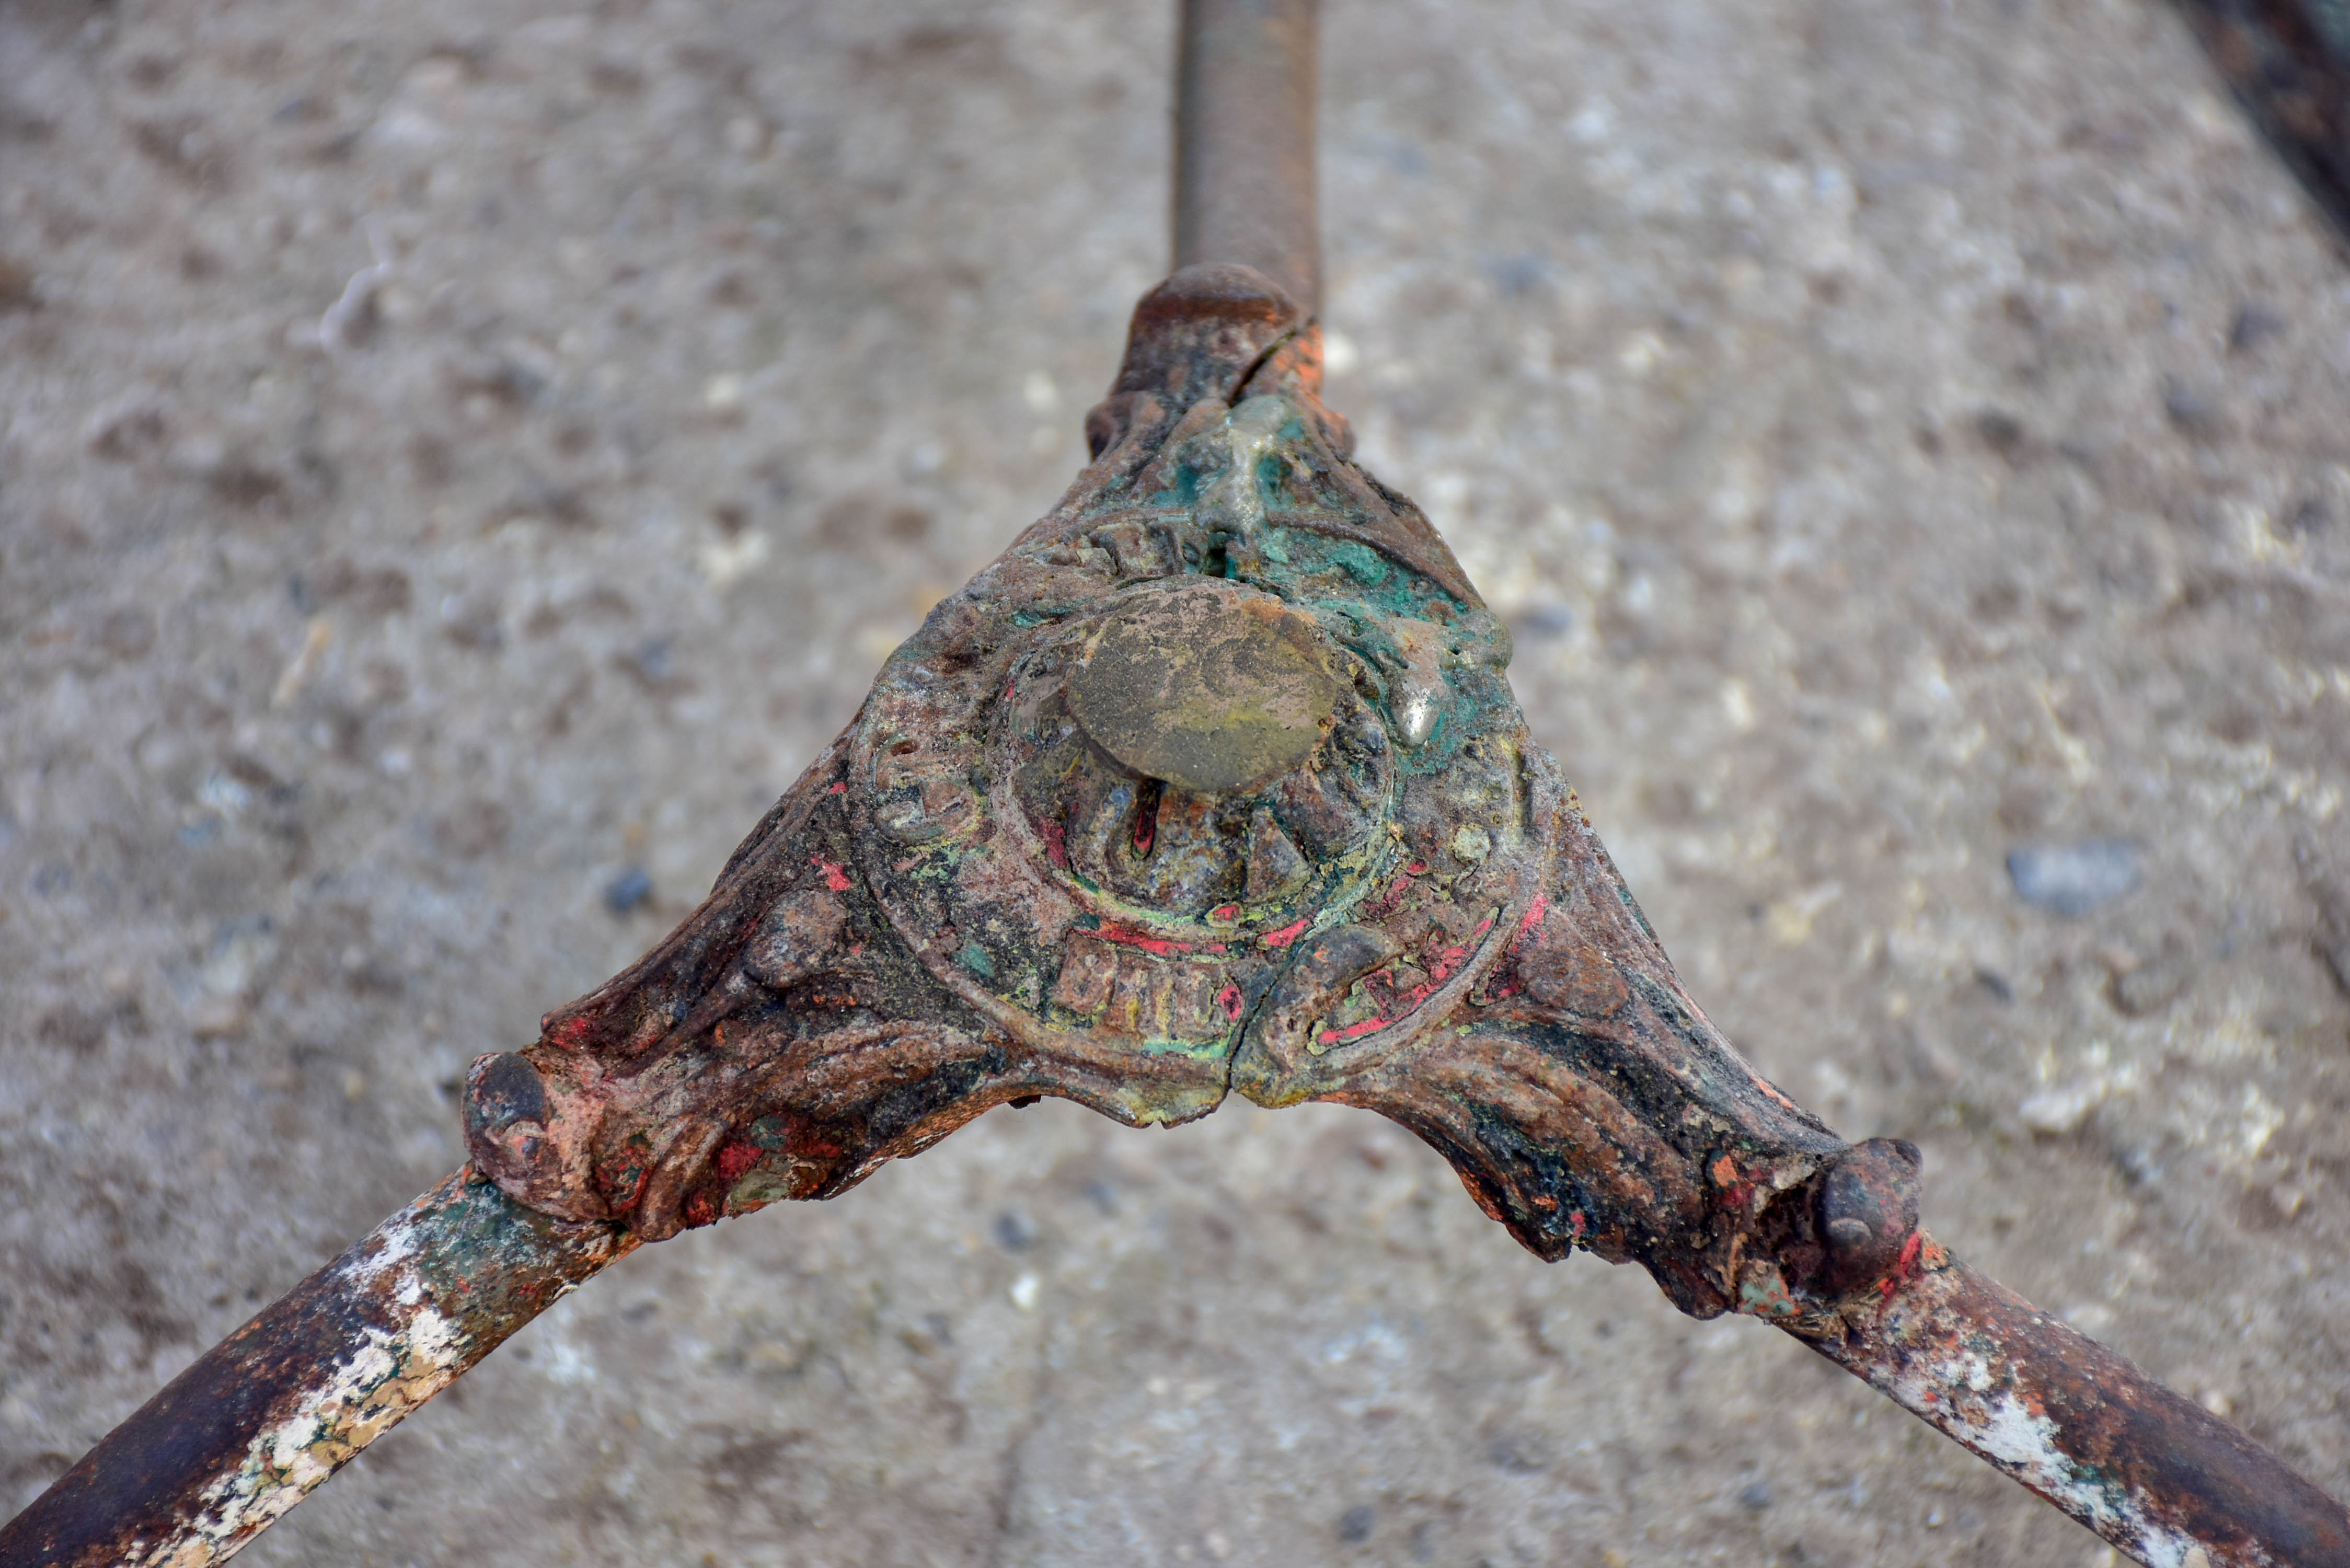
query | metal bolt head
[1215, 688]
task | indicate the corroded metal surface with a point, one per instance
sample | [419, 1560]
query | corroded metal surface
[2153, 1472]
[1213, 690]
[271, 1411]
[1245, 166]
[1213, 781]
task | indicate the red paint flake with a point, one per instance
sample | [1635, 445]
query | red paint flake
[834, 876]
[1483, 927]
[1128, 937]
[1770, 1091]
[1224, 912]
[1397, 1000]
[838, 789]
[573, 1033]
[1540, 908]
[1901, 1268]
[1733, 1189]
[735, 1159]
[1392, 897]
[1352, 1031]
[1286, 935]
[1056, 847]
[1229, 998]
[1576, 1219]
[624, 1188]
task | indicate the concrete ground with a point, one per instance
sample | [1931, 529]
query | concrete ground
[461, 459]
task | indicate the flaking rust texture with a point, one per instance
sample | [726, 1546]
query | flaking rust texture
[2155, 1473]
[273, 1411]
[1211, 781]
[1214, 781]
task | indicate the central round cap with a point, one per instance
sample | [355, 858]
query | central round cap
[1212, 687]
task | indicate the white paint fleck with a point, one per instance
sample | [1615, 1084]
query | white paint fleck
[2002, 1429]
[379, 1381]
[366, 1396]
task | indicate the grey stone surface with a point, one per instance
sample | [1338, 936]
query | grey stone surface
[2074, 878]
[461, 459]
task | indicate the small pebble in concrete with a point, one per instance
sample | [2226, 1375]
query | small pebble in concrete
[1544, 620]
[2055, 1112]
[1756, 1496]
[2194, 409]
[2153, 985]
[628, 889]
[2254, 324]
[2074, 878]
[1354, 1524]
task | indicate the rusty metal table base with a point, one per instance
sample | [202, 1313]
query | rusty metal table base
[1211, 782]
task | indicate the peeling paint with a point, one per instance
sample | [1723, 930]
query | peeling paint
[2153, 1472]
[206, 1466]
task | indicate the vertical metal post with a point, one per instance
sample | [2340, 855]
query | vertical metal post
[1244, 140]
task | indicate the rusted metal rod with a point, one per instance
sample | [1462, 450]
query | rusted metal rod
[1244, 138]
[255, 1423]
[2153, 1472]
